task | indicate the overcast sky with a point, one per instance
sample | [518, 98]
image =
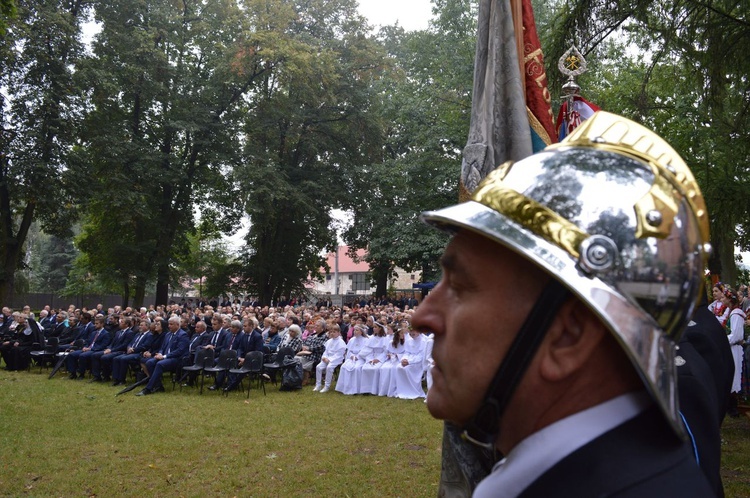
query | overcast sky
[410, 14]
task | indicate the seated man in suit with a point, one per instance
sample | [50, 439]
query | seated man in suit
[101, 361]
[77, 362]
[173, 350]
[575, 384]
[234, 342]
[60, 329]
[140, 343]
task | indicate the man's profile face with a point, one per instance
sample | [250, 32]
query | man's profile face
[475, 311]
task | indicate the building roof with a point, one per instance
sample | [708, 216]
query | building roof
[346, 264]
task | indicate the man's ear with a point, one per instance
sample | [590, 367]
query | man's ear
[570, 341]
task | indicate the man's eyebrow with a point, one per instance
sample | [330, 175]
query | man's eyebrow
[449, 262]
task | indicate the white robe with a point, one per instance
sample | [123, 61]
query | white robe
[408, 379]
[737, 326]
[347, 381]
[393, 356]
[369, 373]
[335, 350]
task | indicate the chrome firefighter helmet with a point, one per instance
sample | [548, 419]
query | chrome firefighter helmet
[615, 215]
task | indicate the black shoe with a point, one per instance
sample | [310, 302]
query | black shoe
[213, 388]
[96, 379]
[159, 389]
[145, 392]
[81, 376]
[117, 383]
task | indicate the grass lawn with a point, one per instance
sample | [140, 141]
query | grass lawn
[71, 438]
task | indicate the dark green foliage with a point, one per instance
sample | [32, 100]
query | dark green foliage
[426, 105]
[39, 113]
[312, 126]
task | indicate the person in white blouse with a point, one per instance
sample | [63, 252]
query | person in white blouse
[736, 339]
[369, 373]
[347, 382]
[333, 356]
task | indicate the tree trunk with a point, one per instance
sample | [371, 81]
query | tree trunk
[162, 284]
[140, 292]
[126, 293]
[380, 274]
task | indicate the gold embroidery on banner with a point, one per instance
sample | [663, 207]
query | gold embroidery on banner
[537, 127]
[530, 214]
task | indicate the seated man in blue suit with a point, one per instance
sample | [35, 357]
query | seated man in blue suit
[140, 343]
[174, 348]
[77, 362]
[101, 362]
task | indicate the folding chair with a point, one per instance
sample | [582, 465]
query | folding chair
[227, 361]
[278, 363]
[204, 359]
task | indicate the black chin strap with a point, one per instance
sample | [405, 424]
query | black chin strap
[482, 430]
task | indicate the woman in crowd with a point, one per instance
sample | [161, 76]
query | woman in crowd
[736, 339]
[293, 339]
[394, 351]
[719, 309]
[406, 378]
[274, 339]
[374, 357]
[347, 382]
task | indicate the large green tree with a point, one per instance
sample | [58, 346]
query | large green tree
[426, 104]
[311, 126]
[167, 83]
[39, 111]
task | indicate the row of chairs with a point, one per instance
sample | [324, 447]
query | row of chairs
[254, 366]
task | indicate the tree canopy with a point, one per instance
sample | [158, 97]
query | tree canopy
[181, 118]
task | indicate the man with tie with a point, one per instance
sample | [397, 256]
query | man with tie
[141, 342]
[174, 348]
[82, 330]
[216, 342]
[200, 339]
[77, 362]
[101, 361]
[234, 342]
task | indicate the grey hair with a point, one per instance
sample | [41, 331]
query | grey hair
[175, 319]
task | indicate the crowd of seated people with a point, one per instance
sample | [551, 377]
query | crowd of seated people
[369, 347]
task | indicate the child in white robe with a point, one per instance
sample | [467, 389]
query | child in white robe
[374, 356]
[332, 357]
[407, 376]
[394, 351]
[347, 381]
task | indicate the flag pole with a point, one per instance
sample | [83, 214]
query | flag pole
[572, 64]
